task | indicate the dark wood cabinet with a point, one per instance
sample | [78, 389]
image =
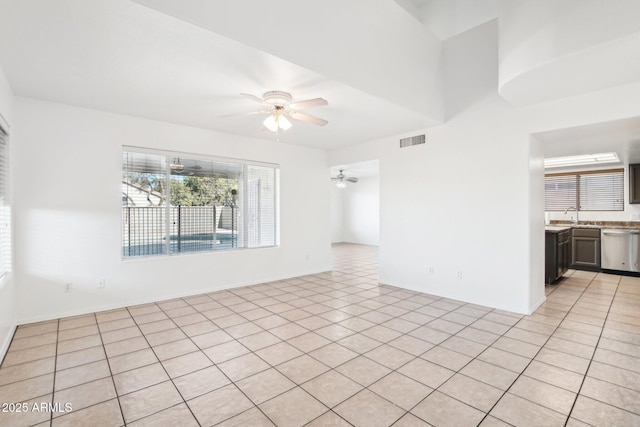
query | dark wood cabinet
[564, 256]
[557, 254]
[585, 249]
[634, 183]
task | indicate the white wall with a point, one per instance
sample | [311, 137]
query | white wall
[361, 220]
[7, 286]
[64, 151]
[472, 196]
[337, 213]
[355, 212]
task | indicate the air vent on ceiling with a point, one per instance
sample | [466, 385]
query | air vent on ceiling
[413, 140]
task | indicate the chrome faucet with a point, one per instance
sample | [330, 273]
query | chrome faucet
[573, 221]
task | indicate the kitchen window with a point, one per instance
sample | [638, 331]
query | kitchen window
[179, 203]
[588, 191]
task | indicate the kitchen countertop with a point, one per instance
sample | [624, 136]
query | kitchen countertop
[556, 228]
[559, 228]
[594, 224]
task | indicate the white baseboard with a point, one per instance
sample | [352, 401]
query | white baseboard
[536, 305]
[157, 298]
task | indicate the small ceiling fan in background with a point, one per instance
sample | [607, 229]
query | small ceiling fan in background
[280, 107]
[341, 179]
[178, 168]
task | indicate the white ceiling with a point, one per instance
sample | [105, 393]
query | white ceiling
[620, 136]
[119, 56]
[448, 18]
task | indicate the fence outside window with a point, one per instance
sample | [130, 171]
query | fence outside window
[192, 229]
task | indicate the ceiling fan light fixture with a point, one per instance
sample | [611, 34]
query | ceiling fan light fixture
[341, 179]
[284, 123]
[280, 107]
[277, 97]
[176, 166]
[277, 122]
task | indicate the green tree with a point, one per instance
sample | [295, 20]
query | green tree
[181, 195]
[202, 191]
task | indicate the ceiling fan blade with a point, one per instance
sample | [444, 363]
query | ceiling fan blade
[351, 179]
[315, 102]
[253, 97]
[307, 118]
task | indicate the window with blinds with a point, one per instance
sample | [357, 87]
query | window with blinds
[588, 191]
[177, 203]
[5, 207]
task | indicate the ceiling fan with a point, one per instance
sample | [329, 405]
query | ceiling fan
[280, 107]
[178, 168]
[341, 179]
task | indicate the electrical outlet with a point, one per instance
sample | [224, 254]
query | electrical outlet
[102, 283]
[459, 275]
[68, 287]
[430, 270]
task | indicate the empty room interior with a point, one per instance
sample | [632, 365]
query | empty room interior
[305, 213]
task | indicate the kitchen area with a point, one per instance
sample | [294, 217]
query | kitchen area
[610, 247]
[592, 199]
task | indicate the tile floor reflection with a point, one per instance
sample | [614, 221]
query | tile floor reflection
[335, 349]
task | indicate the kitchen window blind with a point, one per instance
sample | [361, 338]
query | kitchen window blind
[588, 191]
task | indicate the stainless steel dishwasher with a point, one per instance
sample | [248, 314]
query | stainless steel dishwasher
[621, 249]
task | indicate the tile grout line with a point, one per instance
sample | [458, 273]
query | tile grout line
[269, 364]
[163, 368]
[55, 373]
[459, 370]
[568, 415]
[386, 343]
[88, 382]
[113, 381]
[595, 349]
[231, 382]
[470, 325]
[305, 353]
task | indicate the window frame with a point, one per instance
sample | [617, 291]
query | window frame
[242, 202]
[6, 238]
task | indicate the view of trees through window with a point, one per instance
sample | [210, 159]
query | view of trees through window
[189, 190]
[190, 204]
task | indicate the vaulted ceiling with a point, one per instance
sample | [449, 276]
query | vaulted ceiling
[187, 62]
[378, 63]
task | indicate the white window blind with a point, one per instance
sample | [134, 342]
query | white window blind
[588, 191]
[179, 202]
[261, 206]
[5, 207]
[560, 192]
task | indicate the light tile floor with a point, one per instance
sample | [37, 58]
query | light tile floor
[335, 349]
